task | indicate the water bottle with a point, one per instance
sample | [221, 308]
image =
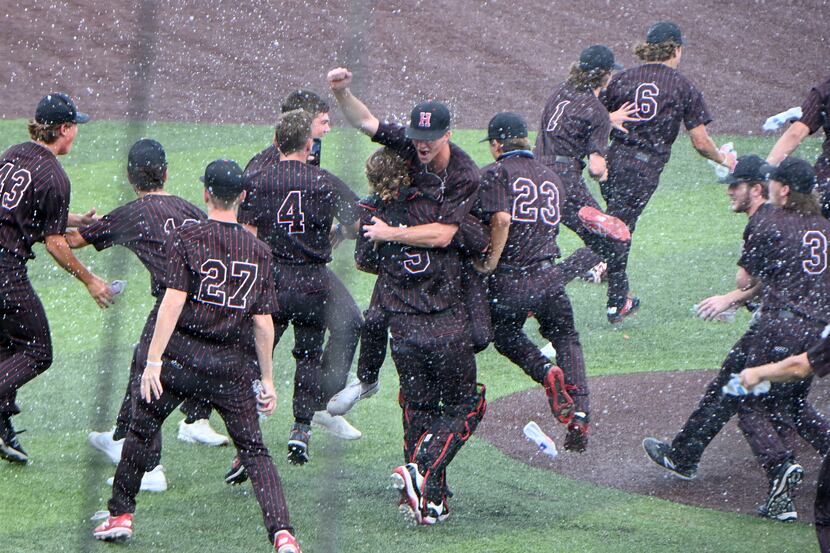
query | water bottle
[735, 388]
[542, 440]
[257, 388]
[117, 286]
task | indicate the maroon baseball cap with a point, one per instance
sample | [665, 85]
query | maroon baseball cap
[428, 121]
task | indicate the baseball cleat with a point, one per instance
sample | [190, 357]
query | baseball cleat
[336, 425]
[549, 351]
[659, 452]
[603, 224]
[596, 274]
[409, 482]
[298, 443]
[103, 442]
[434, 514]
[115, 528]
[617, 314]
[285, 542]
[779, 505]
[560, 400]
[10, 448]
[236, 474]
[200, 432]
[343, 401]
[152, 481]
[576, 439]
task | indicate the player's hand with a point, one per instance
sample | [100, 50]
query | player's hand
[266, 401]
[711, 307]
[749, 378]
[88, 218]
[377, 230]
[339, 78]
[336, 236]
[151, 383]
[100, 292]
[623, 115]
[484, 267]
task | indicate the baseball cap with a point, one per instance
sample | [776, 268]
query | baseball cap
[598, 56]
[796, 173]
[58, 108]
[664, 31]
[428, 121]
[223, 179]
[147, 153]
[748, 169]
[506, 125]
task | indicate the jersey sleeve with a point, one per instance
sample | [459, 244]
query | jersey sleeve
[494, 193]
[105, 232]
[819, 354]
[55, 205]
[177, 275]
[345, 201]
[813, 110]
[599, 128]
[696, 112]
[266, 301]
[758, 241]
[394, 136]
[459, 198]
[250, 211]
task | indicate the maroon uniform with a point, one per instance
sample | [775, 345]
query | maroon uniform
[34, 195]
[574, 125]
[228, 277]
[525, 280]
[815, 113]
[292, 205]
[143, 226]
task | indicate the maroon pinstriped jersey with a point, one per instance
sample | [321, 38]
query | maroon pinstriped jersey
[454, 189]
[815, 113]
[142, 226]
[664, 99]
[819, 354]
[530, 192]
[574, 124]
[34, 198]
[788, 252]
[228, 276]
[270, 156]
[293, 205]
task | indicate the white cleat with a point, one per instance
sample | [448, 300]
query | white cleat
[200, 432]
[549, 351]
[336, 425]
[153, 481]
[103, 442]
[343, 401]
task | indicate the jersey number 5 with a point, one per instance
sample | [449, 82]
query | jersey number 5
[13, 184]
[817, 242]
[525, 209]
[291, 213]
[213, 290]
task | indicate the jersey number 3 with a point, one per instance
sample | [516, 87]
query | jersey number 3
[291, 213]
[817, 262]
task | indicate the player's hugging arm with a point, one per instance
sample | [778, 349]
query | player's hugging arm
[75, 239]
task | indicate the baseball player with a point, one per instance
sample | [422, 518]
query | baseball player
[343, 318]
[816, 361]
[524, 200]
[574, 126]
[663, 99]
[142, 226]
[419, 278]
[291, 206]
[784, 259]
[815, 114]
[219, 287]
[34, 193]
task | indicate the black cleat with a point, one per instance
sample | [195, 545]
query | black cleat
[10, 448]
[237, 473]
[617, 315]
[659, 452]
[779, 505]
[298, 443]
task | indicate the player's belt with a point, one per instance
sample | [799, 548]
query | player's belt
[645, 158]
[538, 266]
[564, 159]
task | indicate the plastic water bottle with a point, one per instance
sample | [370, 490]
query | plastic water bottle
[722, 171]
[735, 388]
[727, 316]
[776, 121]
[117, 286]
[257, 388]
[542, 440]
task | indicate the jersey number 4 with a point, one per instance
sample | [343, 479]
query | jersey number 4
[213, 288]
[13, 184]
[291, 213]
[528, 196]
[817, 262]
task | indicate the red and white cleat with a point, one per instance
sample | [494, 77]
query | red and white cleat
[285, 542]
[115, 528]
[603, 224]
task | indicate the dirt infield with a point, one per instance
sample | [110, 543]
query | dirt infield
[627, 409]
[232, 62]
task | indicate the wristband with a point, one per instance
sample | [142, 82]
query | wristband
[154, 363]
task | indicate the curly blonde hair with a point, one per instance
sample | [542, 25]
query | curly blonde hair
[656, 52]
[387, 173]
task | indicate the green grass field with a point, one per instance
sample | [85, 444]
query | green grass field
[686, 247]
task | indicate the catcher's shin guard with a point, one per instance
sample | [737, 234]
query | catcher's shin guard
[417, 418]
[439, 445]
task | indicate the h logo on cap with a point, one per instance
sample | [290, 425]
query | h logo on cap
[425, 117]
